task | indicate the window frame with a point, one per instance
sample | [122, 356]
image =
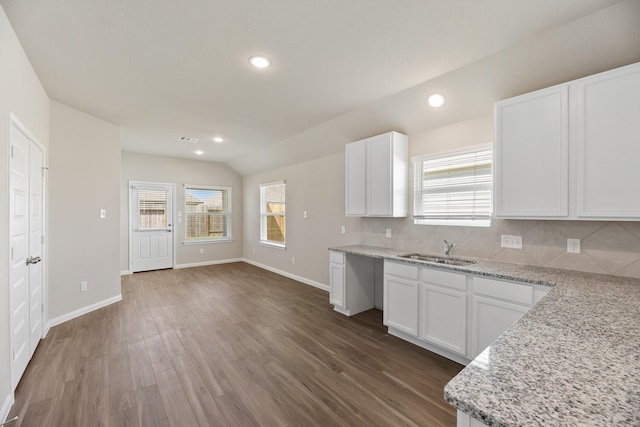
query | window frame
[264, 215]
[418, 163]
[228, 214]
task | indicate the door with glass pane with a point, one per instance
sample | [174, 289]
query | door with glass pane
[151, 230]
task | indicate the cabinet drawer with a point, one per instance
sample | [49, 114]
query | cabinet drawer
[336, 257]
[403, 270]
[445, 278]
[515, 292]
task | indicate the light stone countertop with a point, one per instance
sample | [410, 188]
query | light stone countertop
[572, 360]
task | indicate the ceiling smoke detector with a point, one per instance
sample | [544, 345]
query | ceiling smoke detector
[187, 139]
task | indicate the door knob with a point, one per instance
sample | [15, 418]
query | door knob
[33, 260]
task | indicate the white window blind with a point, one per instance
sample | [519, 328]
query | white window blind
[152, 209]
[273, 214]
[208, 213]
[454, 189]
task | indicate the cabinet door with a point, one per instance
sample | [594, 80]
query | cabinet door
[336, 285]
[443, 317]
[355, 155]
[608, 144]
[379, 176]
[491, 317]
[401, 304]
[531, 155]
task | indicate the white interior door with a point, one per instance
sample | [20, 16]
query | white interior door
[36, 236]
[26, 204]
[151, 226]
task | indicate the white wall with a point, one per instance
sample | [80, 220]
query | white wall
[84, 178]
[22, 94]
[144, 167]
[317, 187]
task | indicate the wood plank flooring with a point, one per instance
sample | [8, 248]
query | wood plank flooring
[229, 345]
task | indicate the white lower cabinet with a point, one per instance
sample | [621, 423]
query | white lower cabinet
[401, 297]
[443, 310]
[336, 279]
[465, 420]
[490, 318]
[496, 305]
[351, 283]
[456, 315]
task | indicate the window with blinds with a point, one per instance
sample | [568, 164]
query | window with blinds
[454, 189]
[152, 209]
[207, 213]
[273, 214]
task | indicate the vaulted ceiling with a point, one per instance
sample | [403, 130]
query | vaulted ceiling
[159, 69]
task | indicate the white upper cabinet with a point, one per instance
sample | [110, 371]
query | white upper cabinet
[608, 144]
[531, 155]
[377, 176]
[571, 151]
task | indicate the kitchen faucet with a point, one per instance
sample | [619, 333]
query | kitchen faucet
[448, 248]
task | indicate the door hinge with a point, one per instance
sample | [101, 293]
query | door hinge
[42, 308]
[12, 151]
[11, 254]
[42, 240]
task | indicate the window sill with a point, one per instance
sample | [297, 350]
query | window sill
[459, 223]
[207, 241]
[280, 246]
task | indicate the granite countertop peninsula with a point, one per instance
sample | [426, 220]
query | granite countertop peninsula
[572, 360]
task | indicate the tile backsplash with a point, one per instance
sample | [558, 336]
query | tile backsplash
[606, 247]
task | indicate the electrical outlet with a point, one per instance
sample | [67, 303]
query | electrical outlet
[388, 233]
[201, 250]
[293, 260]
[343, 229]
[103, 213]
[513, 242]
[304, 214]
[254, 250]
[573, 246]
[83, 286]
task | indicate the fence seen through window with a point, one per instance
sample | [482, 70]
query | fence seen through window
[273, 213]
[208, 213]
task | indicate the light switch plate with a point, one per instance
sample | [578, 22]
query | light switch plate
[388, 233]
[103, 213]
[512, 242]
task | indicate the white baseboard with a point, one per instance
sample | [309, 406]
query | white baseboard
[79, 312]
[289, 275]
[202, 264]
[125, 273]
[6, 407]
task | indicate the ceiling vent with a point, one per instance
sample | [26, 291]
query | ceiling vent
[187, 139]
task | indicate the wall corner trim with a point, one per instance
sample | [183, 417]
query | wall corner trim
[289, 275]
[6, 407]
[79, 312]
[125, 273]
[202, 264]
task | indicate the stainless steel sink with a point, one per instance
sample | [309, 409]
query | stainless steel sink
[437, 260]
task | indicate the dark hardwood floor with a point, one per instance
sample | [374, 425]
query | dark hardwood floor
[229, 345]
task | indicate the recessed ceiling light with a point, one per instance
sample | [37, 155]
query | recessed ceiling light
[259, 61]
[436, 100]
[199, 152]
[218, 139]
